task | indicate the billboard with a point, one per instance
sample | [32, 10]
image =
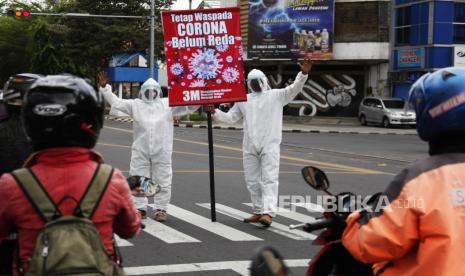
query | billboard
[204, 56]
[290, 29]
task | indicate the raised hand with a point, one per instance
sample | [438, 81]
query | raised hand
[102, 79]
[306, 66]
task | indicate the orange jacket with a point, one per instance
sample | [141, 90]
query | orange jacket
[422, 229]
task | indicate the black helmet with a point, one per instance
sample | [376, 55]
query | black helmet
[62, 110]
[16, 87]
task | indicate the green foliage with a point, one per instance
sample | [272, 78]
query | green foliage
[15, 53]
[195, 117]
[81, 46]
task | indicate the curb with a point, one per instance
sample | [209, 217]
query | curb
[285, 130]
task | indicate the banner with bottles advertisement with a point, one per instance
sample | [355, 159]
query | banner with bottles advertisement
[204, 56]
[291, 29]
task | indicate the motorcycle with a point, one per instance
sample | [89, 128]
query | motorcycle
[333, 258]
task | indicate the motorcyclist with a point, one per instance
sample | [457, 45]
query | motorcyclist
[262, 116]
[420, 231]
[152, 145]
[14, 146]
[63, 116]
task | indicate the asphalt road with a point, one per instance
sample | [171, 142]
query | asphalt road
[189, 244]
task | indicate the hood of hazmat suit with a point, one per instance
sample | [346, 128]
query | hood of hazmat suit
[257, 81]
[150, 90]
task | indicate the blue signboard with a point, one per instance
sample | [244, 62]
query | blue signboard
[130, 74]
[410, 58]
[291, 29]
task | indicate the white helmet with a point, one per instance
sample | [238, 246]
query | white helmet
[257, 81]
[150, 90]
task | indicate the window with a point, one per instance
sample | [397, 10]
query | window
[459, 23]
[394, 104]
[403, 25]
[403, 36]
[403, 16]
[371, 102]
[459, 12]
[376, 103]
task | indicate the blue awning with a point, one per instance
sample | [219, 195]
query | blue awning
[130, 74]
[123, 59]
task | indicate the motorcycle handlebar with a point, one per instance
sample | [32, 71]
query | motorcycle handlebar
[318, 224]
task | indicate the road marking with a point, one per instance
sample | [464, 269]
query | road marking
[240, 158]
[275, 227]
[305, 161]
[118, 129]
[240, 267]
[213, 227]
[122, 242]
[166, 233]
[283, 212]
[309, 206]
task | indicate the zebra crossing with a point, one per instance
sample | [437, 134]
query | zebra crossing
[171, 235]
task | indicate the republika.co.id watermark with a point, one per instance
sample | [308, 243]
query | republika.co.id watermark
[344, 203]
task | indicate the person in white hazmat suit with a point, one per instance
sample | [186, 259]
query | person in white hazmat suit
[152, 145]
[262, 119]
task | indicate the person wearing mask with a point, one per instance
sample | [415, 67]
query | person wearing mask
[63, 116]
[419, 229]
[262, 116]
[152, 145]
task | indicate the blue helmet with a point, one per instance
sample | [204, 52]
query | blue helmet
[439, 102]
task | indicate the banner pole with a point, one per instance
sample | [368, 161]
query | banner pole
[212, 168]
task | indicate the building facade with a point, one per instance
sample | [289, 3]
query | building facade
[427, 35]
[359, 66]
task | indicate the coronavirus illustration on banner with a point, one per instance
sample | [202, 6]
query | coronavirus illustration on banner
[204, 56]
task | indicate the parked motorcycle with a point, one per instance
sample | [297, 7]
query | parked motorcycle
[333, 258]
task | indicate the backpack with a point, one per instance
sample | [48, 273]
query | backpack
[68, 245]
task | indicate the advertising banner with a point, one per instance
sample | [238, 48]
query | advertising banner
[290, 29]
[410, 58]
[204, 56]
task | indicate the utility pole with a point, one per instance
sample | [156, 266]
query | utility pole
[152, 38]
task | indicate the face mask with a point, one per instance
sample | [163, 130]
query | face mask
[150, 94]
[255, 86]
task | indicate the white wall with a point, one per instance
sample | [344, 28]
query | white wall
[162, 74]
[361, 50]
[377, 79]
[229, 3]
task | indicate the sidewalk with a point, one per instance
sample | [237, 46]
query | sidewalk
[302, 125]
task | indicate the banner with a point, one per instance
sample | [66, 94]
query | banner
[204, 56]
[291, 29]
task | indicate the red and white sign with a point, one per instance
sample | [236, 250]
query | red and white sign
[204, 56]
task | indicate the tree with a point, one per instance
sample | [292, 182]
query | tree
[80, 46]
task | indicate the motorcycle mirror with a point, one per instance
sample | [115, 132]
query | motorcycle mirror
[315, 178]
[268, 262]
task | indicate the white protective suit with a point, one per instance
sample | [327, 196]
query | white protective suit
[152, 137]
[262, 116]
